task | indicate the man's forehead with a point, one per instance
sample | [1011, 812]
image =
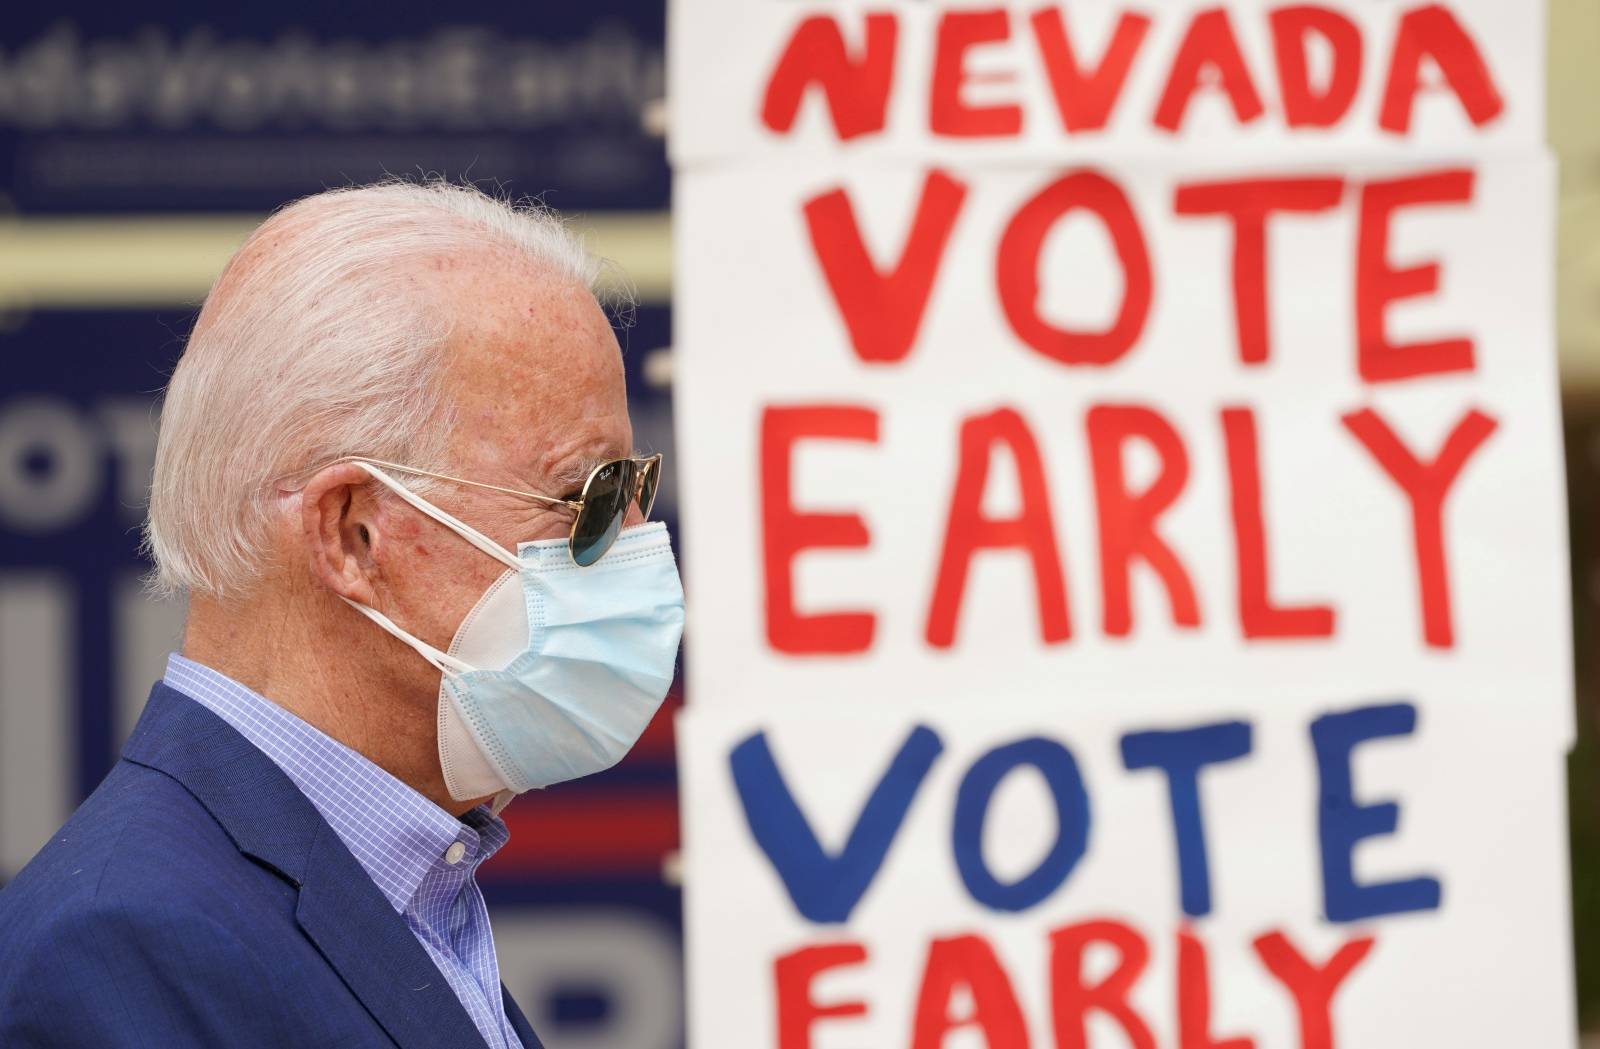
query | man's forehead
[535, 376]
[524, 330]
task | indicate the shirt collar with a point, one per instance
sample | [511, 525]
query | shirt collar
[397, 835]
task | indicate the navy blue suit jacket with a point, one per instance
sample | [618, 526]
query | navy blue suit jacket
[198, 899]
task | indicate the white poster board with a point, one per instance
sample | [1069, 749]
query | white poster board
[768, 367]
[1067, 438]
[1068, 82]
[912, 939]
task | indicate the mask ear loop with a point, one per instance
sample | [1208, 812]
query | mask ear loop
[443, 662]
[461, 528]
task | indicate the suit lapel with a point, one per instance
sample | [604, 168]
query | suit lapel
[519, 1023]
[340, 909]
[375, 952]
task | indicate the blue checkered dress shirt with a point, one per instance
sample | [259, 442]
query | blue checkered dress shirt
[422, 858]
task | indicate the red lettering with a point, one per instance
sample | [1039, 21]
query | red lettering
[1208, 45]
[967, 961]
[1085, 98]
[1194, 999]
[1128, 521]
[1249, 204]
[882, 311]
[960, 31]
[1312, 986]
[857, 89]
[967, 530]
[1017, 270]
[1426, 485]
[785, 532]
[1258, 616]
[1072, 1000]
[1433, 32]
[794, 972]
[1303, 104]
[1378, 284]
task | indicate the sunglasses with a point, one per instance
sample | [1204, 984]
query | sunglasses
[611, 488]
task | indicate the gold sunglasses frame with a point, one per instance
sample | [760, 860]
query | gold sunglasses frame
[643, 465]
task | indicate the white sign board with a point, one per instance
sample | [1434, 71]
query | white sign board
[1126, 563]
[969, 508]
[1127, 873]
[851, 81]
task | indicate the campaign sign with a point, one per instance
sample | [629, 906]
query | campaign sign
[1300, 869]
[1126, 569]
[1121, 425]
[855, 81]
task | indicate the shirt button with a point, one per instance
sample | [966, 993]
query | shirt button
[453, 854]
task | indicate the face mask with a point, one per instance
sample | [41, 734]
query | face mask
[557, 669]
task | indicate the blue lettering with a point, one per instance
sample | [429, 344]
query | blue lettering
[1181, 755]
[972, 807]
[1342, 824]
[825, 888]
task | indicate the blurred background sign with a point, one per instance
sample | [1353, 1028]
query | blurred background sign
[139, 144]
[183, 107]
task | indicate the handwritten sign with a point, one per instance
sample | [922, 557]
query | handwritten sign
[1087, 408]
[851, 81]
[1285, 869]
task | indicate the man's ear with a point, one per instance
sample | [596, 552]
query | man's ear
[339, 525]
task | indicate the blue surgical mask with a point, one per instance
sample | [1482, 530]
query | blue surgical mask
[557, 669]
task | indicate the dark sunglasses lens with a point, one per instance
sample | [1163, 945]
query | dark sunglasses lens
[649, 480]
[605, 504]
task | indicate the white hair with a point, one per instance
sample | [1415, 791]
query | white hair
[323, 344]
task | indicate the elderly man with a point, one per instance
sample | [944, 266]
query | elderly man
[395, 479]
